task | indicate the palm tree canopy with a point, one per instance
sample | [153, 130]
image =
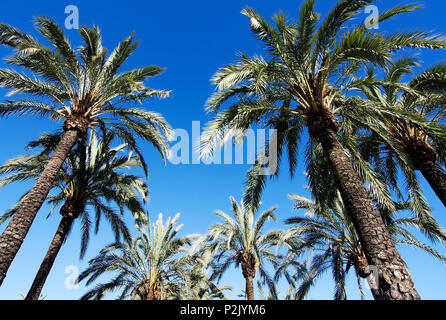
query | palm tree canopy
[311, 63]
[152, 266]
[424, 96]
[241, 241]
[82, 86]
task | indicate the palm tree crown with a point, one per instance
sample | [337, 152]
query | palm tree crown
[240, 241]
[152, 266]
[409, 146]
[81, 86]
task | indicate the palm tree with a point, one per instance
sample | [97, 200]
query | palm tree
[328, 234]
[311, 65]
[89, 180]
[22, 297]
[415, 150]
[81, 87]
[240, 241]
[151, 267]
[198, 283]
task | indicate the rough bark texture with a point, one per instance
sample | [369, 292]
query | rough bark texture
[249, 288]
[436, 179]
[395, 281]
[152, 295]
[249, 269]
[17, 229]
[70, 211]
[424, 158]
[47, 263]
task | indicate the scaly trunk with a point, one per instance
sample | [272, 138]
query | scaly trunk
[47, 263]
[395, 281]
[249, 288]
[70, 211]
[12, 237]
[153, 293]
[17, 229]
[436, 179]
[249, 269]
[424, 158]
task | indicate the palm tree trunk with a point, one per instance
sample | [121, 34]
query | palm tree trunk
[17, 229]
[395, 281]
[424, 158]
[47, 263]
[436, 179]
[249, 288]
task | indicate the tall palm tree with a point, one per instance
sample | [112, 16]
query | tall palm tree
[152, 266]
[240, 241]
[328, 234]
[84, 89]
[90, 180]
[311, 64]
[415, 150]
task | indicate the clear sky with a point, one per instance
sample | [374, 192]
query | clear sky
[192, 39]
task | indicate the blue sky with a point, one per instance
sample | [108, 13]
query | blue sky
[192, 39]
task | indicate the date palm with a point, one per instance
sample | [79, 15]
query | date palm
[84, 88]
[327, 233]
[198, 284]
[90, 180]
[152, 266]
[240, 241]
[310, 64]
[415, 150]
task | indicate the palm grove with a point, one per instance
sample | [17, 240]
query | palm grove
[328, 84]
